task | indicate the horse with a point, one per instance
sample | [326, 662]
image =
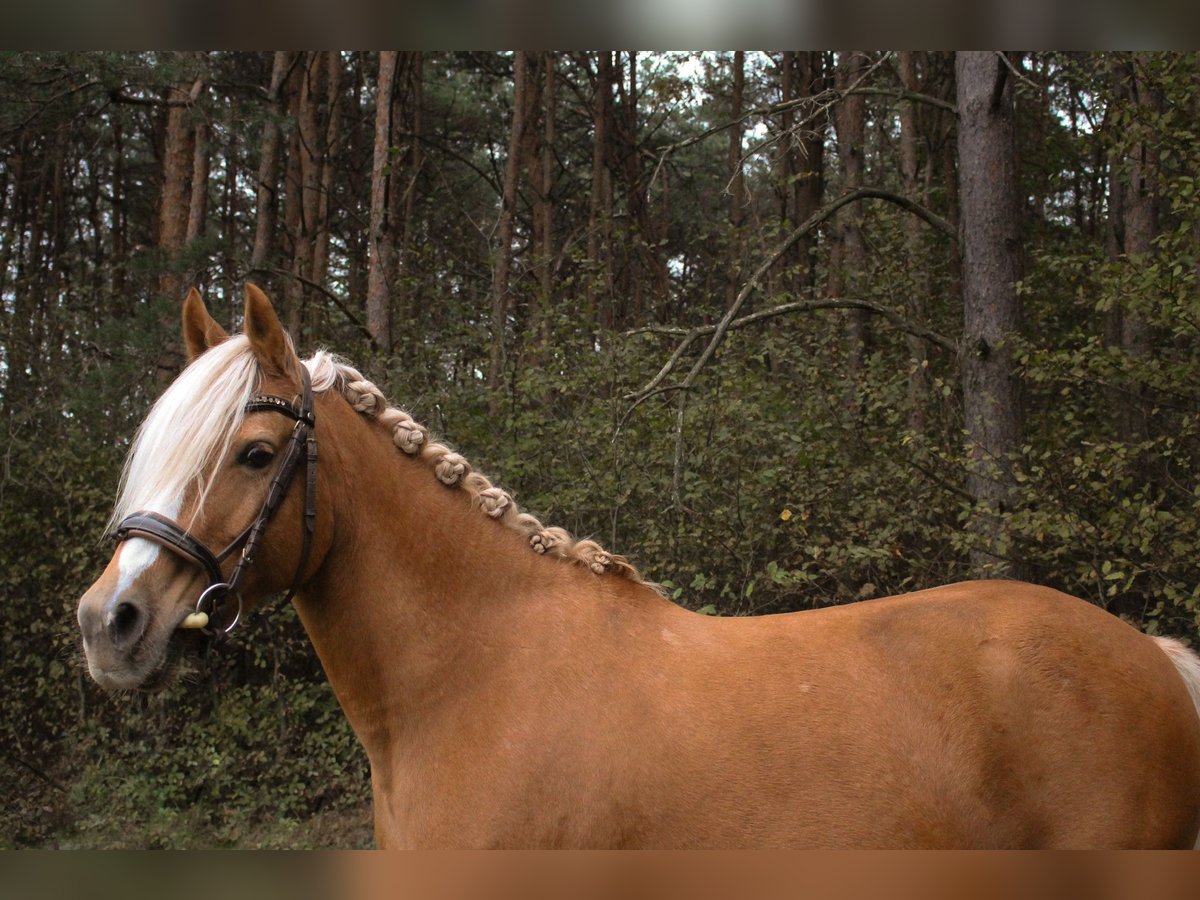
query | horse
[515, 687]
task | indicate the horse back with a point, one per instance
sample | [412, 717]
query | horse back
[979, 714]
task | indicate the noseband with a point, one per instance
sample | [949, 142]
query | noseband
[301, 447]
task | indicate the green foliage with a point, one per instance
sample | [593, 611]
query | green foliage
[261, 758]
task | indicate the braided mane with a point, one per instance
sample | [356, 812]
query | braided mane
[454, 471]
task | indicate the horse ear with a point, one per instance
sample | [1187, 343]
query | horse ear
[267, 337]
[200, 330]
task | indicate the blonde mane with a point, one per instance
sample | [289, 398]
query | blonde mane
[194, 421]
[187, 428]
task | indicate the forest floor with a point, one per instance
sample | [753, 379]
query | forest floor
[56, 826]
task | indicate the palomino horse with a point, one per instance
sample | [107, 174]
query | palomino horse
[515, 687]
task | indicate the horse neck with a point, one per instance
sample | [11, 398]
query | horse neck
[415, 581]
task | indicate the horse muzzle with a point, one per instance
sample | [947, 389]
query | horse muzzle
[124, 646]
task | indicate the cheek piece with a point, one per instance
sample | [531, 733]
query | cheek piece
[301, 448]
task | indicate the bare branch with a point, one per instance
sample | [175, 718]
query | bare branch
[1019, 75]
[117, 95]
[820, 102]
[718, 331]
[900, 93]
[805, 306]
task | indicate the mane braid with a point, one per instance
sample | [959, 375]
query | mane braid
[453, 470]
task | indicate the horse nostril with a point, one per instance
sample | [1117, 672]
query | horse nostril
[126, 623]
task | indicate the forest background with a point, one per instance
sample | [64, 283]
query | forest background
[788, 329]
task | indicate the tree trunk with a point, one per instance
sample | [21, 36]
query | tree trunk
[801, 160]
[640, 254]
[991, 308]
[268, 165]
[1114, 248]
[544, 209]
[413, 98]
[379, 313]
[198, 204]
[308, 124]
[316, 105]
[174, 199]
[119, 304]
[850, 124]
[918, 382]
[357, 229]
[786, 152]
[330, 142]
[736, 179]
[505, 231]
[1141, 227]
[599, 283]
[293, 198]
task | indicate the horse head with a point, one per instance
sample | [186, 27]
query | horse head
[218, 500]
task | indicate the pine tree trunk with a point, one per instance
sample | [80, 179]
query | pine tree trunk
[1141, 227]
[380, 252]
[315, 102]
[991, 308]
[809, 187]
[119, 304]
[174, 200]
[414, 99]
[505, 231]
[198, 203]
[1114, 248]
[311, 152]
[599, 284]
[293, 198]
[545, 203]
[736, 179]
[801, 182]
[850, 124]
[918, 382]
[639, 255]
[268, 165]
[330, 142]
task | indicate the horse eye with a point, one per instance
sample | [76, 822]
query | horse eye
[256, 456]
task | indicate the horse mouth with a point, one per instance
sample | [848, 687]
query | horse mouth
[167, 671]
[141, 672]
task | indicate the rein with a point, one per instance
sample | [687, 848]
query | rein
[301, 447]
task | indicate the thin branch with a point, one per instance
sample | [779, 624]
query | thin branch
[821, 103]
[901, 93]
[718, 331]
[806, 306]
[1019, 75]
[898, 93]
[117, 95]
[43, 104]
[689, 336]
[490, 179]
[21, 761]
[640, 400]
[721, 328]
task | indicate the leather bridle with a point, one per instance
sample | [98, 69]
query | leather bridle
[301, 447]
